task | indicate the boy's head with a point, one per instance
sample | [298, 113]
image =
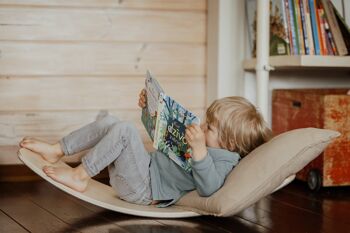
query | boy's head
[240, 127]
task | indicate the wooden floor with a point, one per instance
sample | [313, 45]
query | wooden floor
[37, 206]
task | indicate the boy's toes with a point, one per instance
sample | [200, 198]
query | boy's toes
[25, 144]
[48, 170]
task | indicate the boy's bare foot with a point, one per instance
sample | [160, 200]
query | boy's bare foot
[75, 178]
[50, 152]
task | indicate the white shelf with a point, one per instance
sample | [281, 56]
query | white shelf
[302, 62]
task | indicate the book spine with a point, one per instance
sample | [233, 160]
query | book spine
[299, 27]
[293, 27]
[304, 28]
[323, 33]
[329, 45]
[289, 27]
[330, 37]
[308, 26]
[314, 27]
[334, 27]
[156, 131]
[285, 25]
[322, 49]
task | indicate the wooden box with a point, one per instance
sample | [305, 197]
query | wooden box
[320, 108]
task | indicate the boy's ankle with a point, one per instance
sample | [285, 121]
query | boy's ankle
[58, 149]
[81, 173]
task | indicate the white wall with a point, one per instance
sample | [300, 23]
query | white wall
[225, 48]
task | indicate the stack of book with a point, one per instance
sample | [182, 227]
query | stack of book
[303, 27]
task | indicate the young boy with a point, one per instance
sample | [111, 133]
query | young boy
[232, 129]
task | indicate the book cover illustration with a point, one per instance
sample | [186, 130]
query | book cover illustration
[279, 35]
[149, 115]
[171, 126]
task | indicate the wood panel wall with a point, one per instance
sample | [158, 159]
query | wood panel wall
[64, 61]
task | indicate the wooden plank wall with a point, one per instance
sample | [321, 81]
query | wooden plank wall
[64, 61]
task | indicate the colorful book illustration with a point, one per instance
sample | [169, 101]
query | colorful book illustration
[167, 125]
[170, 139]
[279, 35]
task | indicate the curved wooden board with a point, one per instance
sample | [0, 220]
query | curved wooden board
[100, 194]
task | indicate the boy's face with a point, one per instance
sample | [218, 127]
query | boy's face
[211, 135]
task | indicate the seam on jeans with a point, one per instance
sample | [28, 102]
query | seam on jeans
[64, 146]
[88, 167]
[145, 183]
[127, 142]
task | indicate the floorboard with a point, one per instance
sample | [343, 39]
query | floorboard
[9, 225]
[37, 206]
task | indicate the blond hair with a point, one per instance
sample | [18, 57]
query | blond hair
[241, 128]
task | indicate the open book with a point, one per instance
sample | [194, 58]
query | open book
[165, 121]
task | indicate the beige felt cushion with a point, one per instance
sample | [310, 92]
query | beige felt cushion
[262, 171]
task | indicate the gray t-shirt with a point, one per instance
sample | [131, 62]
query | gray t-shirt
[170, 182]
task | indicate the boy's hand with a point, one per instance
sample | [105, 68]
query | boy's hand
[142, 98]
[196, 139]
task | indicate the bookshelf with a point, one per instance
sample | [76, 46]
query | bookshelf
[302, 62]
[263, 63]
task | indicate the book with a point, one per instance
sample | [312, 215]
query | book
[299, 27]
[344, 28]
[330, 45]
[309, 27]
[153, 91]
[250, 8]
[279, 38]
[279, 35]
[319, 24]
[314, 24]
[167, 124]
[171, 125]
[326, 50]
[293, 25]
[289, 28]
[304, 27]
[334, 27]
[332, 50]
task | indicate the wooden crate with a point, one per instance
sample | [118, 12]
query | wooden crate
[321, 108]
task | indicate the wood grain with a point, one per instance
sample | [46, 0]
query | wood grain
[79, 93]
[199, 5]
[101, 58]
[107, 24]
[51, 126]
[61, 62]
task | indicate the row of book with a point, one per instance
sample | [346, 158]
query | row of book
[305, 27]
[314, 27]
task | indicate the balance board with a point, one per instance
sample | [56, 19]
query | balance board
[100, 194]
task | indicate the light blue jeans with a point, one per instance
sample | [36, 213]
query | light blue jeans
[118, 145]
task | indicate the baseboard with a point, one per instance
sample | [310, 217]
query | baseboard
[20, 173]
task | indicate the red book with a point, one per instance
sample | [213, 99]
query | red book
[322, 48]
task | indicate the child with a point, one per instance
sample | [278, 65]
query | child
[232, 129]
